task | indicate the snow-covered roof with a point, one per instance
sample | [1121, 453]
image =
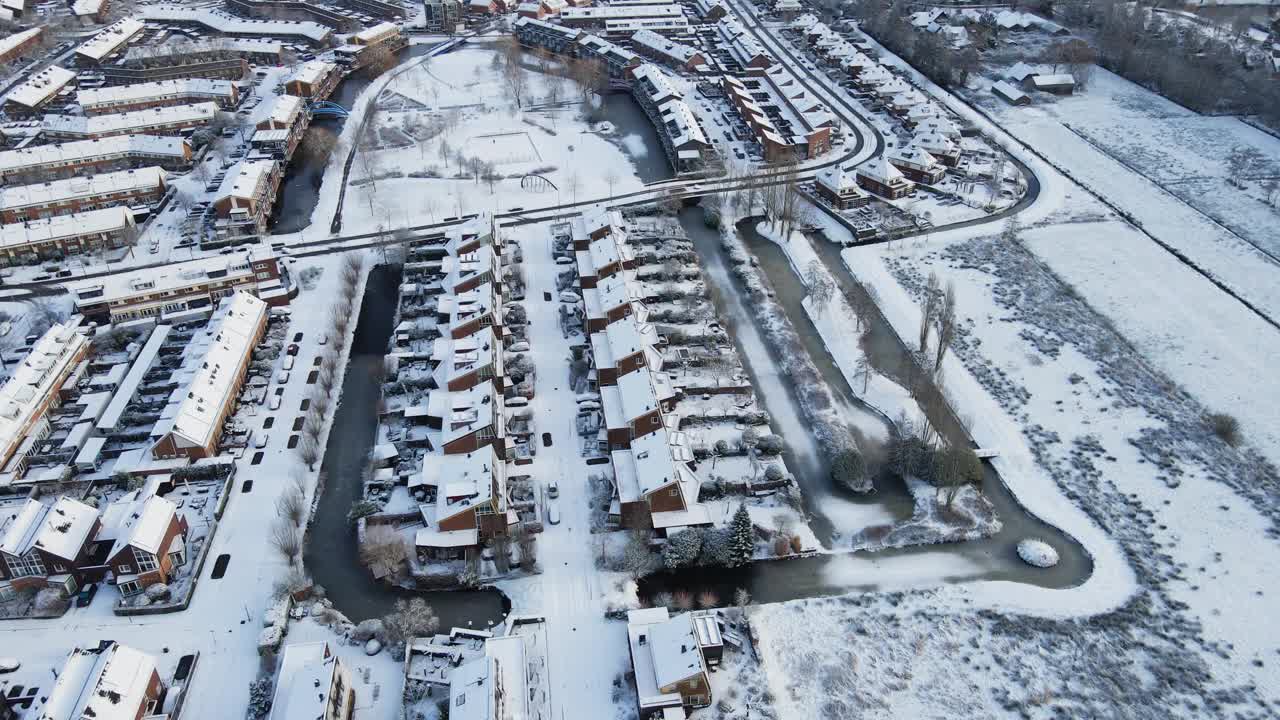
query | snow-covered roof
[88, 7]
[913, 155]
[234, 25]
[743, 47]
[1053, 81]
[664, 651]
[142, 524]
[680, 124]
[21, 398]
[664, 47]
[82, 151]
[377, 33]
[215, 383]
[134, 121]
[81, 187]
[304, 682]
[839, 179]
[227, 269]
[9, 42]
[881, 170]
[245, 181]
[1008, 92]
[494, 687]
[60, 529]
[641, 391]
[41, 87]
[653, 462]
[182, 46]
[110, 39]
[148, 91]
[105, 683]
[313, 71]
[464, 481]
[601, 13]
[459, 356]
[660, 87]
[59, 227]
[285, 112]
[1021, 71]
[469, 410]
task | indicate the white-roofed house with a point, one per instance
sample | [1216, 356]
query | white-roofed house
[838, 184]
[467, 503]
[313, 684]
[288, 113]
[314, 80]
[35, 387]
[670, 657]
[56, 237]
[160, 120]
[917, 164]
[463, 363]
[242, 205]
[497, 685]
[30, 98]
[161, 93]
[469, 419]
[654, 485]
[211, 396]
[613, 299]
[603, 259]
[148, 542]
[45, 544]
[109, 682]
[879, 176]
[1058, 84]
[634, 407]
[942, 147]
[466, 313]
[624, 347]
[96, 155]
[109, 41]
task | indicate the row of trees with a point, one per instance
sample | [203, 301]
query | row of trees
[293, 507]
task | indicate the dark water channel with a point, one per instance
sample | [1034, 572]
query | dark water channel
[331, 554]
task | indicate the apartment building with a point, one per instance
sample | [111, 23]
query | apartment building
[596, 16]
[110, 41]
[242, 205]
[789, 122]
[742, 46]
[537, 33]
[91, 12]
[212, 395]
[839, 185]
[443, 14]
[676, 54]
[917, 164]
[229, 25]
[98, 155]
[340, 20]
[34, 388]
[104, 682]
[619, 62]
[178, 288]
[30, 98]
[376, 8]
[32, 241]
[20, 44]
[683, 138]
[314, 80]
[142, 96]
[79, 194]
[172, 120]
[289, 113]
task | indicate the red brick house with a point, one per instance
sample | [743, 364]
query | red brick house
[46, 545]
[635, 406]
[109, 681]
[879, 176]
[148, 543]
[469, 419]
[917, 165]
[624, 347]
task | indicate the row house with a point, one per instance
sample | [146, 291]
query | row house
[463, 363]
[917, 165]
[32, 241]
[340, 20]
[671, 660]
[104, 682]
[108, 42]
[468, 420]
[676, 54]
[624, 347]
[539, 9]
[942, 147]
[654, 486]
[443, 15]
[143, 186]
[242, 206]
[873, 77]
[143, 539]
[141, 96]
[467, 270]
[683, 138]
[596, 16]
[35, 387]
[177, 67]
[229, 25]
[91, 12]
[257, 51]
[23, 43]
[289, 113]
[487, 7]
[96, 155]
[212, 395]
[619, 62]
[467, 503]
[838, 184]
[603, 259]
[711, 10]
[613, 299]
[314, 80]
[48, 545]
[179, 288]
[376, 8]
[877, 175]
[635, 406]
[469, 312]
[172, 120]
[30, 98]
[313, 684]
[788, 123]
[742, 45]
[593, 225]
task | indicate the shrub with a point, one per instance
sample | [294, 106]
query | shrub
[770, 445]
[1226, 427]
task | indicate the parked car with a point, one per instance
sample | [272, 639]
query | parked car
[553, 489]
[8, 665]
[85, 596]
[292, 349]
[275, 403]
[283, 377]
[553, 514]
[261, 441]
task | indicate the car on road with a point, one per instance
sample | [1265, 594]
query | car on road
[8, 665]
[261, 441]
[553, 489]
[283, 377]
[275, 403]
[292, 349]
[553, 514]
[297, 337]
[85, 596]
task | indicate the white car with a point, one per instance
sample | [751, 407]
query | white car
[275, 403]
[261, 442]
[283, 377]
[8, 665]
[553, 489]
[553, 514]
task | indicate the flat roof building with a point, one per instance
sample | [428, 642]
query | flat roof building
[234, 26]
[34, 240]
[42, 162]
[141, 96]
[170, 120]
[109, 41]
[30, 98]
[78, 194]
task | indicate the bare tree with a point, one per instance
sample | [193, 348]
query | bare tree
[309, 451]
[611, 178]
[286, 539]
[821, 288]
[445, 150]
[292, 506]
[946, 322]
[411, 618]
[573, 183]
[928, 311]
[383, 550]
[516, 81]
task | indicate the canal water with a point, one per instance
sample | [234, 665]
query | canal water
[331, 556]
